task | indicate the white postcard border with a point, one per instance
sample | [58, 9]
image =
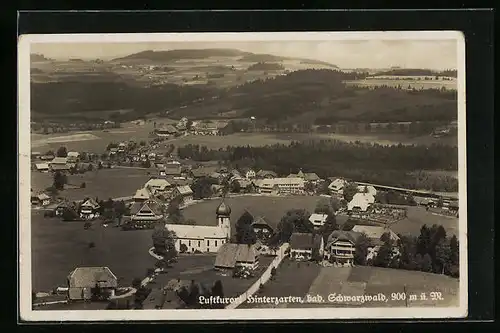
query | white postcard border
[26, 313]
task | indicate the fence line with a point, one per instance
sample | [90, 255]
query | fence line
[262, 280]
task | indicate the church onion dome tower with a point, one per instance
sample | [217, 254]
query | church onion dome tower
[223, 209]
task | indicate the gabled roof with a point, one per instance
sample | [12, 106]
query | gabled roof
[311, 177]
[229, 254]
[83, 277]
[200, 172]
[90, 202]
[261, 221]
[73, 154]
[142, 193]
[59, 160]
[374, 232]
[57, 167]
[157, 182]
[42, 166]
[184, 190]
[152, 205]
[167, 128]
[172, 169]
[196, 231]
[43, 196]
[341, 235]
[318, 219]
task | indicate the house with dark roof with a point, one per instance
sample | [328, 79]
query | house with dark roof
[40, 199]
[262, 228]
[89, 209]
[63, 206]
[232, 256]
[341, 247]
[266, 174]
[185, 192]
[171, 169]
[304, 245]
[146, 213]
[83, 282]
[166, 131]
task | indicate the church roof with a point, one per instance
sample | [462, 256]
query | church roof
[196, 231]
[223, 209]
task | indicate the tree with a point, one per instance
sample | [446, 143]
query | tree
[60, 180]
[235, 187]
[300, 220]
[361, 246]
[173, 210]
[202, 188]
[217, 289]
[120, 210]
[427, 263]
[349, 191]
[62, 152]
[424, 240]
[163, 240]
[309, 187]
[443, 255]
[245, 233]
[407, 245]
[454, 250]
[183, 248]
[136, 283]
[384, 255]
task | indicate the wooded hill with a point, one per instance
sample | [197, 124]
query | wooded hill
[315, 96]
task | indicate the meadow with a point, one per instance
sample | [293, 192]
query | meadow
[104, 183]
[418, 216]
[58, 247]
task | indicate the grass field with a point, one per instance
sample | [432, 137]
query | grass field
[418, 216]
[301, 279]
[272, 208]
[104, 183]
[363, 280]
[58, 247]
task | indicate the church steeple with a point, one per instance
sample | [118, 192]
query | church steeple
[223, 213]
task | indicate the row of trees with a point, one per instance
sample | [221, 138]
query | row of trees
[389, 165]
[432, 251]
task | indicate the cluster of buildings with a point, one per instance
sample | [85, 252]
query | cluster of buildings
[196, 128]
[51, 163]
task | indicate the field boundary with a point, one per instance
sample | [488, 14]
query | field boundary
[262, 280]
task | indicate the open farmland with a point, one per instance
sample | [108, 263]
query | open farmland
[418, 216]
[311, 279]
[63, 246]
[104, 183]
[272, 208]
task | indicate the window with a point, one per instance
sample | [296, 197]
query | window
[215, 243]
[208, 243]
[189, 243]
[199, 243]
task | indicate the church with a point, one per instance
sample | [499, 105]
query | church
[192, 238]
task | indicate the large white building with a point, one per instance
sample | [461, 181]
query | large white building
[360, 202]
[191, 238]
[292, 185]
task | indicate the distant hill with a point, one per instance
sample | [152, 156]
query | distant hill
[173, 55]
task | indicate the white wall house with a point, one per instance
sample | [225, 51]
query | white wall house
[318, 220]
[337, 186]
[360, 202]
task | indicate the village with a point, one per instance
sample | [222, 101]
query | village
[248, 248]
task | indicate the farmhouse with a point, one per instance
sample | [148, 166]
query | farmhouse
[40, 199]
[318, 220]
[146, 213]
[266, 186]
[191, 238]
[73, 157]
[158, 185]
[340, 247]
[303, 246]
[360, 202]
[184, 192]
[142, 195]
[262, 228]
[63, 206]
[89, 209]
[207, 128]
[336, 187]
[231, 256]
[59, 161]
[83, 281]
[165, 131]
[42, 167]
[171, 169]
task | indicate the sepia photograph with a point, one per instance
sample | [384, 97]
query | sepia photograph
[242, 176]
